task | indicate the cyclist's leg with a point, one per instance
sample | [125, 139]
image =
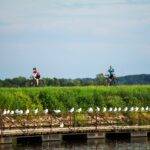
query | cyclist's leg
[37, 82]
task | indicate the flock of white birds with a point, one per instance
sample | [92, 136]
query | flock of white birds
[72, 110]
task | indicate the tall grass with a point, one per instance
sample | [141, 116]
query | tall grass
[65, 98]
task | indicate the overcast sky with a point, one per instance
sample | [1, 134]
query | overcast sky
[74, 38]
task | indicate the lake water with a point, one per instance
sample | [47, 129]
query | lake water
[98, 144]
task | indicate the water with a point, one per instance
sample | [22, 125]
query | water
[98, 144]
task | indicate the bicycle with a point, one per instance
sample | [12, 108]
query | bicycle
[111, 81]
[33, 82]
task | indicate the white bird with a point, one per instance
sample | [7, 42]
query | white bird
[125, 109]
[27, 112]
[104, 109]
[4, 112]
[8, 111]
[12, 112]
[97, 109]
[61, 125]
[147, 108]
[110, 109]
[57, 111]
[136, 109]
[142, 109]
[115, 109]
[71, 110]
[16, 111]
[90, 110]
[46, 111]
[20, 112]
[36, 111]
[132, 109]
[119, 109]
[79, 110]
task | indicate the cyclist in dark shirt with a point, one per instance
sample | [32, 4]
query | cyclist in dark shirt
[111, 72]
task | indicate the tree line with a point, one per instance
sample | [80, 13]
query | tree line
[100, 79]
[25, 82]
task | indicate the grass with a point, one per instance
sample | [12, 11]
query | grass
[65, 98]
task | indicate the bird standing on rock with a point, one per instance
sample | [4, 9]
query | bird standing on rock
[147, 108]
[7, 112]
[4, 112]
[36, 111]
[110, 109]
[125, 109]
[12, 112]
[71, 110]
[46, 111]
[27, 112]
[115, 109]
[97, 109]
[57, 111]
[104, 109]
[90, 110]
[119, 109]
[142, 109]
[62, 125]
[132, 109]
[136, 109]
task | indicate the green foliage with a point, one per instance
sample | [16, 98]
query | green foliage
[100, 79]
[65, 98]
[115, 101]
[80, 119]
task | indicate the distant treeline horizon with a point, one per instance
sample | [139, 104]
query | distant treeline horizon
[98, 80]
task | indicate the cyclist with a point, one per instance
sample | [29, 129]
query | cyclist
[111, 72]
[36, 75]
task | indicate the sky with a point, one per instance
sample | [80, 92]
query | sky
[74, 38]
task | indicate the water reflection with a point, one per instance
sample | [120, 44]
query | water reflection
[98, 144]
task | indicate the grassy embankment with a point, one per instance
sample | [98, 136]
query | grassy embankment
[65, 98]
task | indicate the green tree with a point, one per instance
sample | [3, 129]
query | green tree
[100, 79]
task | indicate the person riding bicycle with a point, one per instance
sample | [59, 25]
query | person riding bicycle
[111, 72]
[36, 75]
